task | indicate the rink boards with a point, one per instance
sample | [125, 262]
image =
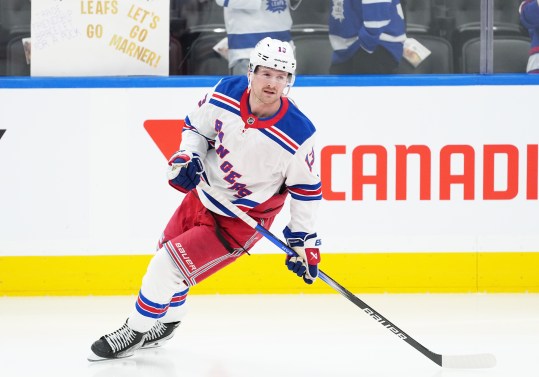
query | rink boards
[417, 198]
[466, 272]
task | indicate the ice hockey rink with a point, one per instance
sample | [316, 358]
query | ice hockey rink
[277, 335]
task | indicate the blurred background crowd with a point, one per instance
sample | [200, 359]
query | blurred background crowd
[449, 29]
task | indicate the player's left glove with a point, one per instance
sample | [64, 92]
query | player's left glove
[305, 264]
[184, 171]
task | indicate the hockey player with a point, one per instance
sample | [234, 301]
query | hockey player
[254, 146]
[529, 17]
[249, 21]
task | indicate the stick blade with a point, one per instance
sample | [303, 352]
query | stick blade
[482, 360]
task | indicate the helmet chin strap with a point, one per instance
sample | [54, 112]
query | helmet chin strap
[290, 82]
[288, 86]
[249, 79]
[287, 90]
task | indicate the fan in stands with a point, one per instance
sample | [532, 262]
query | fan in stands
[529, 16]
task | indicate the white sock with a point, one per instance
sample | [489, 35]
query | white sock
[161, 281]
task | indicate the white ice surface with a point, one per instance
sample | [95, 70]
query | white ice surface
[277, 335]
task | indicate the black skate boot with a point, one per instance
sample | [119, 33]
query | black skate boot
[159, 334]
[118, 344]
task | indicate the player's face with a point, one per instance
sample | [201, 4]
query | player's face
[268, 84]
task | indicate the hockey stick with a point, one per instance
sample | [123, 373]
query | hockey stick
[446, 361]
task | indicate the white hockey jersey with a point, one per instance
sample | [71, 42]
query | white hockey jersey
[249, 159]
[249, 21]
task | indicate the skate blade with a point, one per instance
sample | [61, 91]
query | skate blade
[92, 357]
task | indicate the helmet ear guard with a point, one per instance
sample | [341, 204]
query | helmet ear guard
[275, 54]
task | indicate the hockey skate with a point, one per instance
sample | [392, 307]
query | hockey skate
[159, 334]
[118, 344]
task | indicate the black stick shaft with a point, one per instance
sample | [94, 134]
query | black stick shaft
[358, 302]
[380, 318]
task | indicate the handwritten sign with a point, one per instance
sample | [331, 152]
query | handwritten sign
[100, 37]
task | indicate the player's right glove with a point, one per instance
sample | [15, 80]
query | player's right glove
[305, 264]
[184, 171]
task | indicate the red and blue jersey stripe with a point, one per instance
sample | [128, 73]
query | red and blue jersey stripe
[306, 192]
[245, 204]
[225, 102]
[280, 138]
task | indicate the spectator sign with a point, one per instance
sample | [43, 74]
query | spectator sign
[100, 38]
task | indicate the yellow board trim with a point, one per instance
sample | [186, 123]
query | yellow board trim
[265, 273]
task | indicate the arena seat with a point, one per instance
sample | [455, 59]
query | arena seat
[16, 59]
[439, 61]
[310, 15]
[202, 59]
[510, 54]
[313, 53]
[418, 16]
